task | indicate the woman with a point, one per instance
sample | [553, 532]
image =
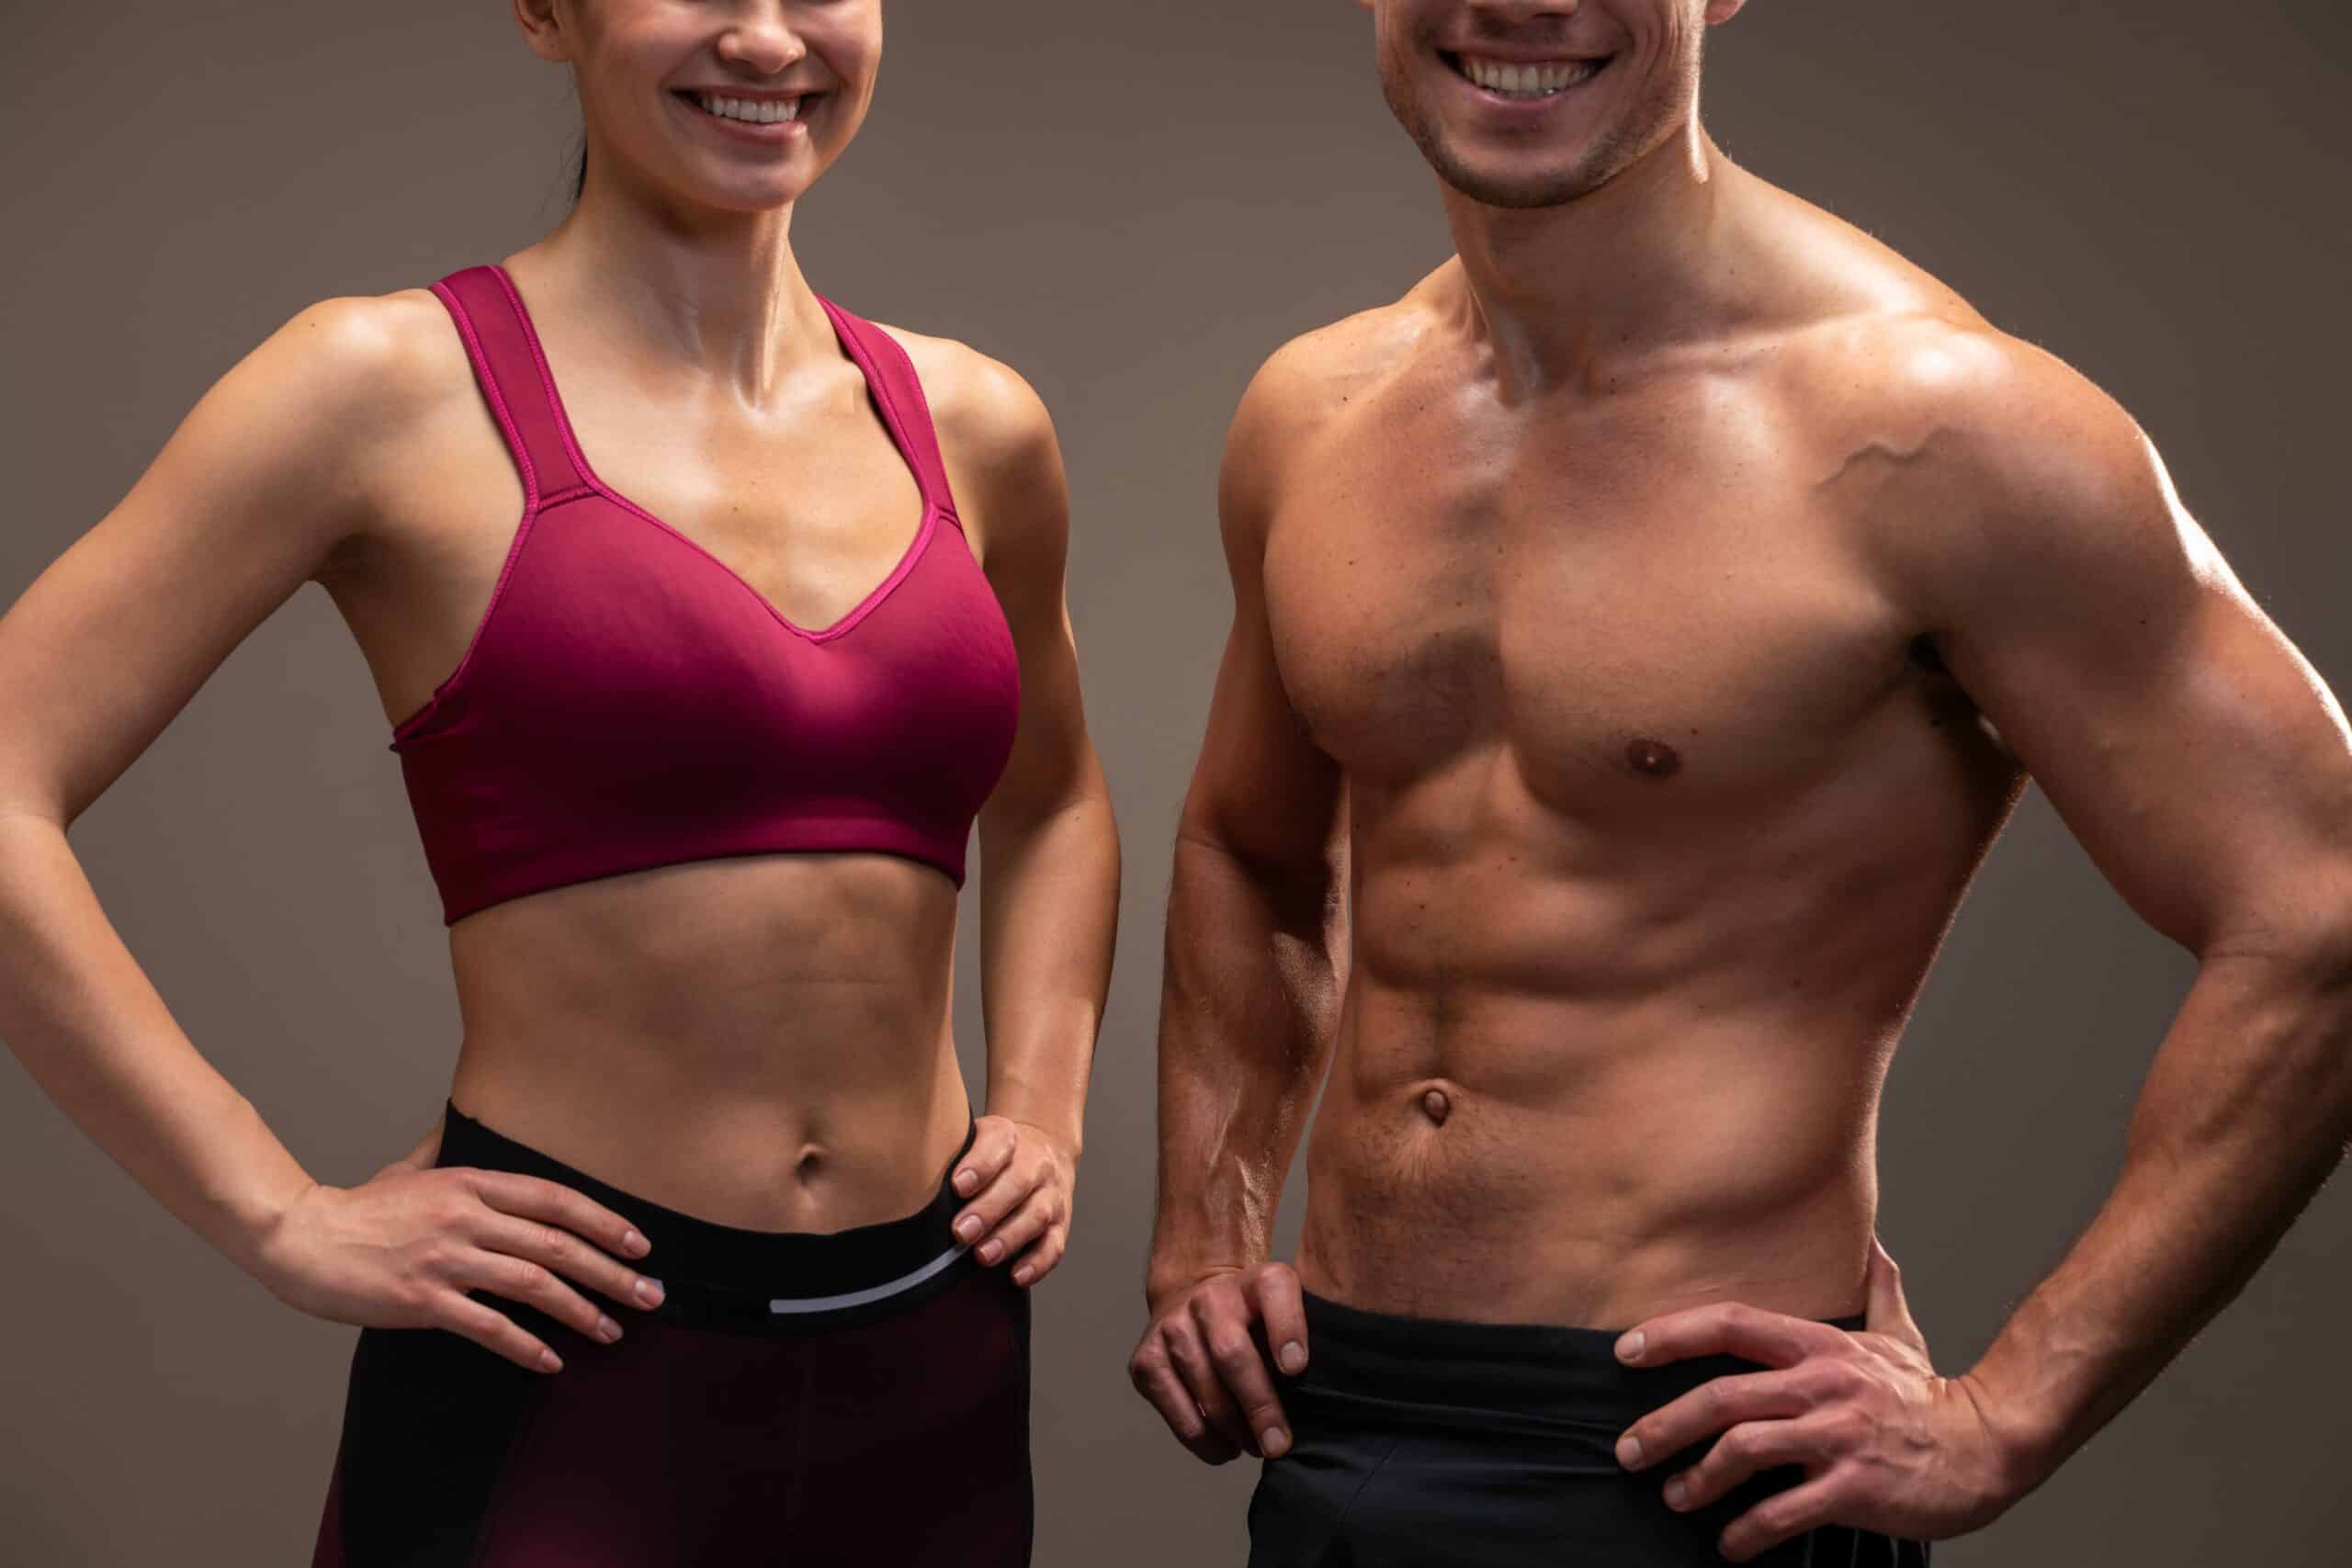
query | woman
[709, 1258]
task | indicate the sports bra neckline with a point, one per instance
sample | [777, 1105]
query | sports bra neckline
[893, 425]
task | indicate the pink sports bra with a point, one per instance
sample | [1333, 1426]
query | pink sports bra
[630, 701]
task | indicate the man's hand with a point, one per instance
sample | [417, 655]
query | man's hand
[426, 1150]
[1886, 1444]
[1019, 1178]
[1198, 1364]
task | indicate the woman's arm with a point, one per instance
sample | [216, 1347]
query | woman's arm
[1049, 849]
[251, 497]
[248, 500]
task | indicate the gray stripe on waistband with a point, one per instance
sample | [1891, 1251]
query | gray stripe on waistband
[872, 1293]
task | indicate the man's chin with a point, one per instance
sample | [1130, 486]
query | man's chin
[1512, 188]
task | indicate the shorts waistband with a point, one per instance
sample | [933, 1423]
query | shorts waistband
[1424, 1367]
[722, 1276]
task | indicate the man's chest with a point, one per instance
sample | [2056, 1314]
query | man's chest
[1621, 600]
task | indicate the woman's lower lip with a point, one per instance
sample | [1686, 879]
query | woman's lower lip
[765, 133]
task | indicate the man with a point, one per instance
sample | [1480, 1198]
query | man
[1642, 629]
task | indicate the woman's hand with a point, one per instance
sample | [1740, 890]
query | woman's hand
[401, 1249]
[1019, 1178]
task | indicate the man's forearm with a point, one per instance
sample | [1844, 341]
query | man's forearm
[1245, 1035]
[2243, 1114]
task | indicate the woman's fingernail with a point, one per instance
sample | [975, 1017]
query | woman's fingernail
[966, 1181]
[548, 1361]
[1629, 1347]
[607, 1328]
[1629, 1451]
[1675, 1493]
[969, 1226]
[648, 1290]
[989, 1251]
[636, 1244]
[1293, 1355]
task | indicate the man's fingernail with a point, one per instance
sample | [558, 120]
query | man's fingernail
[1629, 1349]
[963, 1181]
[1629, 1450]
[1675, 1493]
[1293, 1355]
[969, 1226]
[1273, 1441]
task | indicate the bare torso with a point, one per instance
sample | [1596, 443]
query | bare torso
[762, 1040]
[1658, 803]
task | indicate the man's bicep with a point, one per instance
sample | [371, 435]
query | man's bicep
[2198, 757]
[1261, 791]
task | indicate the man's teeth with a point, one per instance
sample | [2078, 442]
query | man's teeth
[760, 112]
[1527, 81]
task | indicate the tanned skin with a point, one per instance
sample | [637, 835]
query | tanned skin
[1642, 629]
[760, 1040]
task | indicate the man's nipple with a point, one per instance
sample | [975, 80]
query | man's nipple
[1652, 759]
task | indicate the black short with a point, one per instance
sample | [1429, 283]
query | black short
[1421, 1442]
[858, 1397]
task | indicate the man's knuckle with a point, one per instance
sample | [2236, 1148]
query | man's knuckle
[1845, 1428]
[1840, 1379]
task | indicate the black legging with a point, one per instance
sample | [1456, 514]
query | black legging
[755, 1417]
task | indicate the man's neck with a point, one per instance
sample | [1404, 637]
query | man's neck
[1637, 263]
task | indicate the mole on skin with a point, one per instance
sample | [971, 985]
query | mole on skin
[1437, 1105]
[1654, 759]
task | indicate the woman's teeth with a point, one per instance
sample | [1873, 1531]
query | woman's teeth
[1526, 81]
[758, 111]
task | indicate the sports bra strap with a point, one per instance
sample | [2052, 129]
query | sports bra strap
[512, 370]
[893, 374]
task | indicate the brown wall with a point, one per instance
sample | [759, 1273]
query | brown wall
[1132, 204]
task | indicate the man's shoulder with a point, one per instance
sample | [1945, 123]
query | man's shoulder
[1960, 454]
[1960, 408]
[1322, 375]
[1880, 366]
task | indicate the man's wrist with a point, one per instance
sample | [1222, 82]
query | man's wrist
[1170, 1273]
[2026, 1438]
